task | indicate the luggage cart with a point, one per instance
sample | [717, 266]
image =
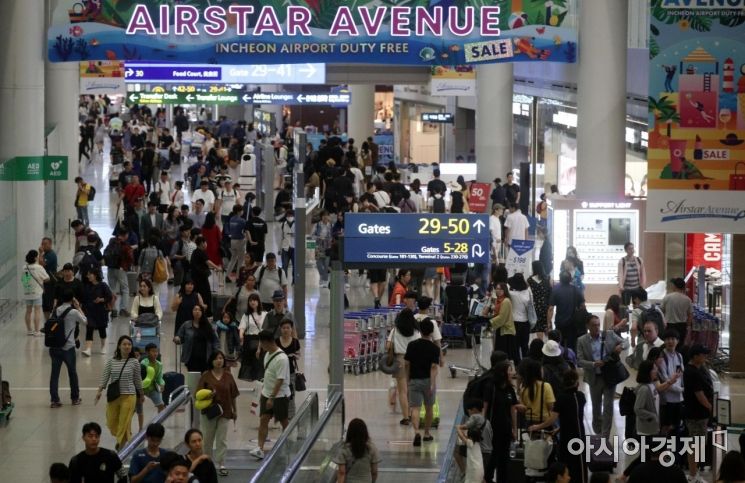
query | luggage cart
[145, 332]
[481, 355]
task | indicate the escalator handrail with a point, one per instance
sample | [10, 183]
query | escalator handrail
[310, 404]
[332, 403]
[450, 448]
[178, 398]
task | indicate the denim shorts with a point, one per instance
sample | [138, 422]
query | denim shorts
[33, 302]
[155, 396]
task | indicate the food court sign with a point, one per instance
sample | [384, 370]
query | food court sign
[410, 32]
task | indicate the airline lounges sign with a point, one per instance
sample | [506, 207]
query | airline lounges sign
[409, 32]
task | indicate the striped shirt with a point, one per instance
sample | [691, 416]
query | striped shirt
[131, 379]
[632, 273]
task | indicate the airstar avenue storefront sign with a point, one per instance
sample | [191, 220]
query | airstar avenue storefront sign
[418, 32]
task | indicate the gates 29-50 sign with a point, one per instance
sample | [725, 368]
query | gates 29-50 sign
[299, 31]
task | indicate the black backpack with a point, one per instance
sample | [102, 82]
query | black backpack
[112, 254]
[653, 314]
[91, 194]
[54, 330]
[476, 387]
[88, 262]
[261, 275]
[438, 205]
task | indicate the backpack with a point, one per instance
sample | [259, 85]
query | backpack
[407, 206]
[438, 205]
[160, 270]
[476, 387]
[261, 275]
[627, 401]
[154, 197]
[88, 262]
[112, 254]
[54, 330]
[457, 204]
[91, 194]
[653, 314]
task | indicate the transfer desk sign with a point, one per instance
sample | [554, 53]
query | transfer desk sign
[421, 32]
[398, 239]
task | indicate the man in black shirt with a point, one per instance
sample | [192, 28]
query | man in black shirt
[512, 190]
[68, 282]
[422, 361]
[497, 195]
[564, 299]
[436, 185]
[698, 400]
[95, 464]
[258, 229]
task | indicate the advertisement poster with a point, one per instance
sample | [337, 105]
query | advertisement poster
[696, 118]
[405, 32]
[457, 80]
[478, 199]
[385, 147]
[520, 257]
[704, 249]
[102, 69]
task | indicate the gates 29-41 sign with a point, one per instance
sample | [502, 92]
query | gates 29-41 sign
[412, 32]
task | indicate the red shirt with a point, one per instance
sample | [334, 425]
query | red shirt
[213, 236]
[132, 192]
[398, 289]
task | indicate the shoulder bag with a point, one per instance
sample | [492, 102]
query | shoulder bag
[389, 363]
[112, 390]
[613, 371]
[538, 451]
[530, 309]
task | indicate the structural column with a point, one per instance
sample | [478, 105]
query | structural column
[494, 121]
[601, 99]
[361, 113]
[448, 131]
[737, 317]
[62, 86]
[22, 97]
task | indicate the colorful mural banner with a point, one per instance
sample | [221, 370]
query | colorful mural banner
[696, 151]
[102, 69]
[453, 80]
[407, 32]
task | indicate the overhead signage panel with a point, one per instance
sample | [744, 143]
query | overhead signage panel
[438, 117]
[240, 97]
[268, 32]
[397, 239]
[306, 73]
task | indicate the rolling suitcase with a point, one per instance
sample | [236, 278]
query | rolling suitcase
[601, 454]
[173, 380]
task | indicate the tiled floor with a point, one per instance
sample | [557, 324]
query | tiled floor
[36, 436]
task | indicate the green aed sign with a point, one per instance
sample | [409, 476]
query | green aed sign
[34, 168]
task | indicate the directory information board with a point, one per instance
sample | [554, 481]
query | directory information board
[398, 239]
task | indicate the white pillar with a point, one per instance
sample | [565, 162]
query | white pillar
[361, 113]
[448, 131]
[62, 87]
[601, 99]
[494, 121]
[22, 98]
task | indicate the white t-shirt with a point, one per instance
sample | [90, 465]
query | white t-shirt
[400, 343]
[474, 463]
[436, 334]
[520, 301]
[251, 323]
[418, 201]
[278, 368]
[165, 192]
[207, 196]
[517, 224]
[229, 199]
[32, 281]
[495, 228]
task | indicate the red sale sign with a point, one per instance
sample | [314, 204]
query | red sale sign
[704, 249]
[479, 197]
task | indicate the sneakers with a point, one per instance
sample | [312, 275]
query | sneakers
[86, 352]
[257, 453]
[429, 438]
[30, 333]
[418, 440]
[404, 422]
[38, 334]
[695, 479]
[55, 405]
[103, 350]
[77, 402]
[114, 314]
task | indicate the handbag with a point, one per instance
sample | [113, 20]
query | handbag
[530, 308]
[613, 371]
[388, 363]
[112, 390]
[160, 270]
[212, 411]
[300, 381]
[737, 180]
[538, 451]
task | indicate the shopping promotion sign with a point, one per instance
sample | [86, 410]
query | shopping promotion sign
[696, 154]
[424, 33]
[478, 199]
[398, 239]
[520, 257]
[34, 168]
[704, 249]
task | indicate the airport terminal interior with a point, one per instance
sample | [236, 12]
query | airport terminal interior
[576, 163]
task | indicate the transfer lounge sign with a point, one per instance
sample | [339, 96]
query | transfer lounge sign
[299, 31]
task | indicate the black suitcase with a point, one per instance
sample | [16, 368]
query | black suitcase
[173, 380]
[600, 459]
[218, 303]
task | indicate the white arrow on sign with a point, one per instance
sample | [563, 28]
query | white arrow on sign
[189, 98]
[476, 251]
[132, 97]
[301, 98]
[246, 98]
[128, 73]
[309, 71]
[478, 226]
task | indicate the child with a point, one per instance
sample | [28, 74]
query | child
[475, 421]
[152, 382]
[229, 336]
[475, 462]
[143, 374]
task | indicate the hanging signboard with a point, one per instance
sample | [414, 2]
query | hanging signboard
[397, 239]
[520, 257]
[478, 198]
[299, 31]
[138, 72]
[458, 80]
[696, 150]
[34, 168]
[241, 97]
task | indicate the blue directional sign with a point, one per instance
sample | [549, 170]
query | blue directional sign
[397, 239]
[341, 99]
[227, 74]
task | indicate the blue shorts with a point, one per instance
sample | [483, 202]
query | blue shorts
[33, 302]
[156, 397]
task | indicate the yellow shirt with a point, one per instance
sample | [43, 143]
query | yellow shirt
[533, 412]
[83, 195]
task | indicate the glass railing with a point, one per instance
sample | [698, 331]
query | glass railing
[169, 418]
[449, 472]
[290, 442]
[313, 460]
